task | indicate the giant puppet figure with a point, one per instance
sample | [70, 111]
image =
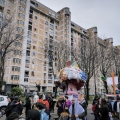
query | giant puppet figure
[71, 79]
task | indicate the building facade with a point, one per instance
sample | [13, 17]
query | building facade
[41, 24]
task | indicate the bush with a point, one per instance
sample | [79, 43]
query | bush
[16, 91]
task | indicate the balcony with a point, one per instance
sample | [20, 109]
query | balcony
[1, 3]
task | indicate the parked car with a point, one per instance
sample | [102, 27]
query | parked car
[3, 102]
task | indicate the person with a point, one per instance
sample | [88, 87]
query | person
[83, 103]
[43, 114]
[13, 116]
[34, 113]
[16, 105]
[96, 99]
[67, 103]
[76, 110]
[109, 104]
[60, 105]
[117, 107]
[36, 98]
[104, 110]
[54, 101]
[64, 115]
[27, 105]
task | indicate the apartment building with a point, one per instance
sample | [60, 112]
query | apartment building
[41, 25]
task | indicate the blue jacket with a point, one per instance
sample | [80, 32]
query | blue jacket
[44, 115]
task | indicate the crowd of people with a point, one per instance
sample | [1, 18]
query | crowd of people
[105, 109]
[41, 106]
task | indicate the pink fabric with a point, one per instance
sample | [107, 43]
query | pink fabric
[72, 89]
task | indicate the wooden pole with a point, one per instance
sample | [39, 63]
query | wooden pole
[113, 83]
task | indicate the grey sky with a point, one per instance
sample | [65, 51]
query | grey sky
[105, 14]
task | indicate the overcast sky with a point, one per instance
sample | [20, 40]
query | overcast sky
[105, 14]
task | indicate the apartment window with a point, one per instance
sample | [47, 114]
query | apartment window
[18, 44]
[36, 17]
[46, 33]
[34, 40]
[20, 22]
[32, 73]
[32, 2]
[15, 68]
[28, 42]
[19, 29]
[8, 11]
[50, 81]
[30, 27]
[56, 27]
[21, 15]
[50, 76]
[25, 79]
[33, 47]
[30, 16]
[35, 29]
[51, 26]
[18, 36]
[46, 22]
[17, 52]
[44, 75]
[28, 53]
[21, 8]
[23, 2]
[44, 68]
[27, 59]
[26, 73]
[51, 32]
[16, 60]
[44, 63]
[46, 28]
[33, 53]
[14, 77]
[31, 11]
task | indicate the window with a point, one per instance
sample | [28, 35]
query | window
[20, 22]
[51, 32]
[17, 52]
[32, 73]
[55, 27]
[26, 73]
[25, 79]
[50, 76]
[46, 28]
[36, 17]
[51, 26]
[21, 15]
[21, 8]
[27, 53]
[35, 29]
[14, 77]
[44, 68]
[49, 81]
[28, 42]
[46, 33]
[8, 11]
[30, 16]
[16, 60]
[44, 75]
[30, 27]
[27, 59]
[23, 2]
[44, 63]
[1, 99]
[15, 68]
[19, 29]
[18, 44]
[19, 36]
[33, 61]
[33, 53]
[34, 40]
[33, 47]
[46, 22]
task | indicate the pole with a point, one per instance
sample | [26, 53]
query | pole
[113, 82]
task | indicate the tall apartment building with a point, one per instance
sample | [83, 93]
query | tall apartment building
[40, 24]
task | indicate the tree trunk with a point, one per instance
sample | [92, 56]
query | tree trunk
[87, 90]
[119, 80]
[105, 84]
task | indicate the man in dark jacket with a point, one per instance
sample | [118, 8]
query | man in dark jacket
[16, 105]
[60, 105]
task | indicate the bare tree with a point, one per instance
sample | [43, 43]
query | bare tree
[106, 62]
[85, 55]
[9, 38]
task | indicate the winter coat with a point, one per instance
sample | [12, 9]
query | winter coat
[27, 105]
[115, 106]
[33, 115]
[60, 106]
[8, 109]
[104, 111]
[44, 115]
[16, 107]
